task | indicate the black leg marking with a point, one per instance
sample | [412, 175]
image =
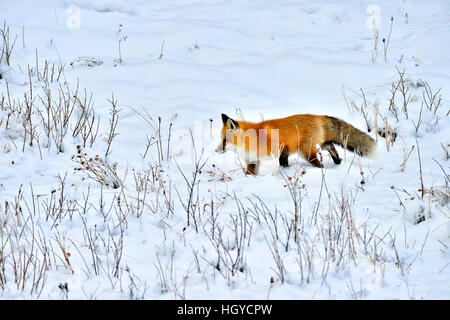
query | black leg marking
[333, 153]
[284, 156]
[251, 168]
[316, 162]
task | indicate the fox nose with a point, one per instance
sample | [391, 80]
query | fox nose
[220, 149]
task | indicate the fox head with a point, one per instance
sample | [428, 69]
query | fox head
[247, 139]
[228, 134]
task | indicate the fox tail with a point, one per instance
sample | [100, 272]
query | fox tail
[347, 136]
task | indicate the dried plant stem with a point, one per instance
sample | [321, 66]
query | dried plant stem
[112, 125]
[422, 188]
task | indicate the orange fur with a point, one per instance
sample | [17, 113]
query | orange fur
[298, 133]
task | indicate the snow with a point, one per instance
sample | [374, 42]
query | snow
[365, 228]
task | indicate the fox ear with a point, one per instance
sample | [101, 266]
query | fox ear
[232, 124]
[224, 118]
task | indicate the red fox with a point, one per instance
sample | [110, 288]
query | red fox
[299, 133]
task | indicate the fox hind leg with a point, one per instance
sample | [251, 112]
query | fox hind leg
[311, 156]
[333, 153]
[315, 162]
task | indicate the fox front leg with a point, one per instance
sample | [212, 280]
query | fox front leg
[284, 157]
[252, 168]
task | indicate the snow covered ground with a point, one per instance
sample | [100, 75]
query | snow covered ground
[110, 113]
